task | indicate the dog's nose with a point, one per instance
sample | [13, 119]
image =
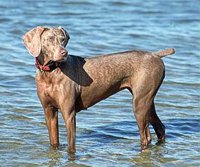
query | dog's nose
[63, 52]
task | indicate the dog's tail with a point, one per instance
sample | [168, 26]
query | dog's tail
[165, 52]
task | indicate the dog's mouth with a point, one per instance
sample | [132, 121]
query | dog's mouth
[63, 57]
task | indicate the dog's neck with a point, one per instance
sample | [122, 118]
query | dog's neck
[43, 59]
[45, 65]
[40, 59]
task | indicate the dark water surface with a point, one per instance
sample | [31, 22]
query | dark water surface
[107, 134]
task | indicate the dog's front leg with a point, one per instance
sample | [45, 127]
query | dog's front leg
[51, 117]
[69, 117]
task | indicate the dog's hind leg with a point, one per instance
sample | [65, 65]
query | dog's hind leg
[157, 124]
[141, 108]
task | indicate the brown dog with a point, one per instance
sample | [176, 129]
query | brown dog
[70, 83]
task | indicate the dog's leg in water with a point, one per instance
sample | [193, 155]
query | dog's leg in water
[70, 123]
[157, 124]
[51, 117]
[141, 111]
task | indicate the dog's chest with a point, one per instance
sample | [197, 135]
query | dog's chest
[49, 92]
[53, 97]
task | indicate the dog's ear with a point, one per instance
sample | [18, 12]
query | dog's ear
[32, 41]
[65, 33]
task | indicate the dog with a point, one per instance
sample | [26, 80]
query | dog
[71, 83]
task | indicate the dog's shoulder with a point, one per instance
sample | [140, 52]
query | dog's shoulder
[76, 59]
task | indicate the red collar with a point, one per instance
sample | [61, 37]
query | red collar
[50, 66]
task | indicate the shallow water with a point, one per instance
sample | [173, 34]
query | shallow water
[107, 134]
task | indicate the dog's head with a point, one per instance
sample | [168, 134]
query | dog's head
[48, 42]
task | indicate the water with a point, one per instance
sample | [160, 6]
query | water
[107, 134]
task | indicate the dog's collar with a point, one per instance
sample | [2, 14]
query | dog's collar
[50, 66]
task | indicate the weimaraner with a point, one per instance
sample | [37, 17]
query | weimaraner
[70, 83]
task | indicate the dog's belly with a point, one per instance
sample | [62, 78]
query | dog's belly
[98, 92]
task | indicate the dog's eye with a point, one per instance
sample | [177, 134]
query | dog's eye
[51, 38]
[62, 40]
